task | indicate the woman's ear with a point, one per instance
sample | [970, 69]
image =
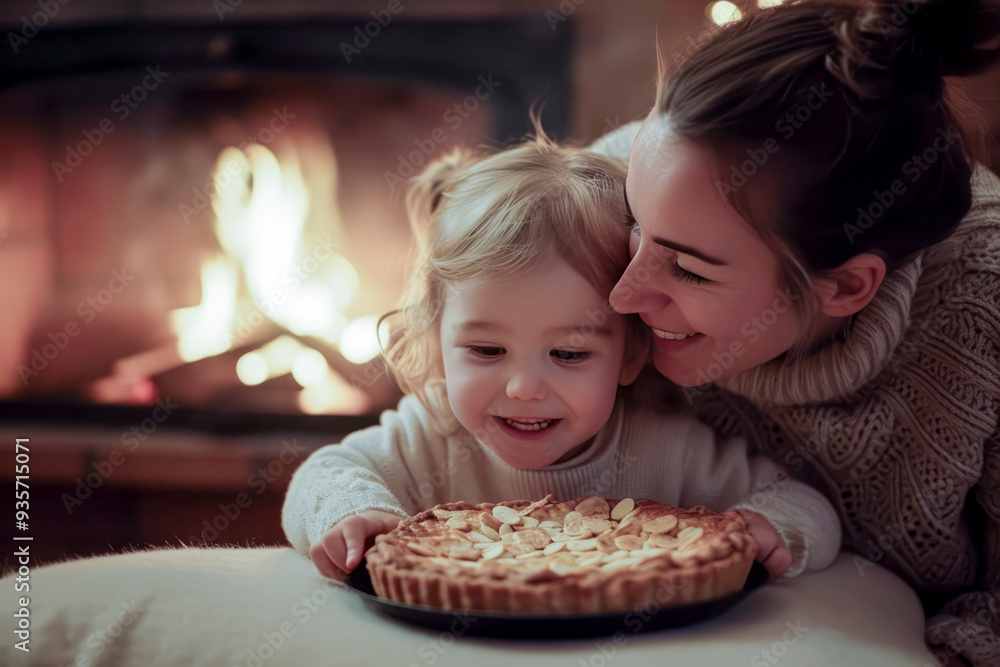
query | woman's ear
[847, 289]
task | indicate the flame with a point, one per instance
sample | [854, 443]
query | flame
[293, 278]
[204, 330]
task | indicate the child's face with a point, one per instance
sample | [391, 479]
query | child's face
[532, 361]
[700, 277]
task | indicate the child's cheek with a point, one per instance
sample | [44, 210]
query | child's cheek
[633, 244]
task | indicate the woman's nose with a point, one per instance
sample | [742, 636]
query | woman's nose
[637, 290]
[526, 384]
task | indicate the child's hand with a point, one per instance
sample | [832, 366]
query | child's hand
[339, 551]
[771, 550]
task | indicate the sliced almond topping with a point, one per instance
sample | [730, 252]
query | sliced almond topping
[528, 554]
[648, 553]
[577, 526]
[505, 529]
[661, 524]
[593, 506]
[547, 525]
[621, 553]
[489, 532]
[487, 519]
[506, 514]
[663, 541]
[476, 536]
[459, 523]
[507, 537]
[494, 551]
[597, 525]
[529, 521]
[606, 542]
[690, 533]
[535, 537]
[465, 553]
[629, 542]
[590, 558]
[622, 508]
[516, 549]
[621, 563]
[572, 515]
[553, 548]
[630, 517]
[482, 545]
[562, 537]
[443, 515]
[582, 545]
[690, 545]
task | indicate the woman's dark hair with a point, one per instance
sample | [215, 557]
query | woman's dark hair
[833, 129]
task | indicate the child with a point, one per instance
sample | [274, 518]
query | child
[515, 365]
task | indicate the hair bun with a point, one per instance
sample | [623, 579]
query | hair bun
[947, 37]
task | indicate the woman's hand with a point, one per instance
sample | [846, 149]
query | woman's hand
[771, 550]
[339, 551]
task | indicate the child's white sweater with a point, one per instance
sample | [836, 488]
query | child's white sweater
[404, 466]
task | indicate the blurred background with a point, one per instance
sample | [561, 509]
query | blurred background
[201, 221]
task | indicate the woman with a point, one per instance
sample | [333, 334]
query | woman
[816, 252]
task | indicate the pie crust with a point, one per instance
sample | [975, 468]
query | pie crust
[585, 556]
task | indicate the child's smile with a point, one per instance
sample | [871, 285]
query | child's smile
[528, 425]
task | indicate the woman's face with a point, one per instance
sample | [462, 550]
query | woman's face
[700, 276]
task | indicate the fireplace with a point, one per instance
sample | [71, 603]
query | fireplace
[201, 221]
[210, 212]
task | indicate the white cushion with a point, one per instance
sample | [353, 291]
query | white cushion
[257, 607]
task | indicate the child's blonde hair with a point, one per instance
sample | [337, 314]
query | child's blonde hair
[478, 217]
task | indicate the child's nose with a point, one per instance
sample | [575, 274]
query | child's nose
[526, 384]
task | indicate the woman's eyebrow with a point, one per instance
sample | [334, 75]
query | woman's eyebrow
[677, 247]
[685, 250]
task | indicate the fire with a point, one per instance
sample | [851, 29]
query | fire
[274, 270]
[203, 330]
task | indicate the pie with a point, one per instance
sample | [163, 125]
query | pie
[585, 556]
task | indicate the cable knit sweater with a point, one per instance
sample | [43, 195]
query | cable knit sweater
[899, 423]
[404, 466]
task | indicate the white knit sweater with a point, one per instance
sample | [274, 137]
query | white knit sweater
[404, 466]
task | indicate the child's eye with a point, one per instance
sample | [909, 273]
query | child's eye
[632, 224]
[486, 351]
[686, 276]
[569, 355]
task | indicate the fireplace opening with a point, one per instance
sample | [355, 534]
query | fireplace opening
[214, 216]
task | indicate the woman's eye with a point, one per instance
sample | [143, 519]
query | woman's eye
[569, 355]
[686, 276]
[485, 351]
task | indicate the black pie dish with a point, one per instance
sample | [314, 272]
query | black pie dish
[505, 625]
